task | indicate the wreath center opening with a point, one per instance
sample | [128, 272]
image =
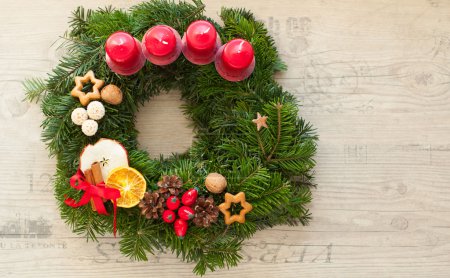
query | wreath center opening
[159, 120]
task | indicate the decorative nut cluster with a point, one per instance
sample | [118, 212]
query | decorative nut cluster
[95, 111]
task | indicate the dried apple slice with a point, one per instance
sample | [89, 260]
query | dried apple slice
[109, 153]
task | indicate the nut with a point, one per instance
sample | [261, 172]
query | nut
[112, 94]
[215, 183]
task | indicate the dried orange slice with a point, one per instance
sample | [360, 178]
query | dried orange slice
[130, 183]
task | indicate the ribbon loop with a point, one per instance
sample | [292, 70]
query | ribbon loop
[96, 192]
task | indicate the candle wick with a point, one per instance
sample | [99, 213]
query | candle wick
[240, 47]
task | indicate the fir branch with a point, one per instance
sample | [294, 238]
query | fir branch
[279, 106]
[260, 143]
[34, 89]
[198, 10]
[78, 22]
[139, 240]
[220, 254]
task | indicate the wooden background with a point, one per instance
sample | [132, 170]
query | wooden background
[374, 79]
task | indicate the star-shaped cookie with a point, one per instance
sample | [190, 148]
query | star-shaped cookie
[260, 121]
[225, 208]
[85, 98]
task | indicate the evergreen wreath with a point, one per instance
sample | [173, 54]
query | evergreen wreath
[272, 166]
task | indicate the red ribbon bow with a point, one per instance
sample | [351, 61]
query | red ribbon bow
[95, 192]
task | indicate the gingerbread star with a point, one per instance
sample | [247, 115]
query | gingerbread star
[260, 121]
[238, 198]
[80, 81]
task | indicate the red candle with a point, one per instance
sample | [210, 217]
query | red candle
[235, 61]
[161, 45]
[124, 54]
[200, 42]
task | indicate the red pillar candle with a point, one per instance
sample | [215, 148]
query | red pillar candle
[235, 61]
[200, 42]
[124, 54]
[161, 45]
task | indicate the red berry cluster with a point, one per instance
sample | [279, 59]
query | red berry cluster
[185, 212]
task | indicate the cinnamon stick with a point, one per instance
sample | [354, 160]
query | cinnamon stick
[90, 179]
[97, 173]
[89, 176]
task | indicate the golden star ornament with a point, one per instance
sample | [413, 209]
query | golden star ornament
[77, 91]
[225, 208]
[260, 121]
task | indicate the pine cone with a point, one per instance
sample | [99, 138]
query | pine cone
[170, 185]
[205, 212]
[152, 206]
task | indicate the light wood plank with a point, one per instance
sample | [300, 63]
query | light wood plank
[372, 76]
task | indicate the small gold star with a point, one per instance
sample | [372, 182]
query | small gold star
[260, 121]
[238, 198]
[77, 90]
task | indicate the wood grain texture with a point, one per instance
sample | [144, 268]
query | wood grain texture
[372, 76]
